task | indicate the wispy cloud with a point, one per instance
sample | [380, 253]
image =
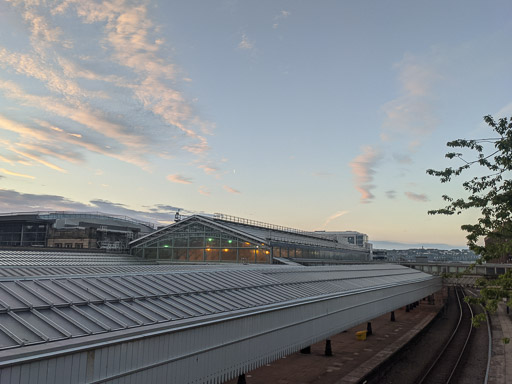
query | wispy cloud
[210, 170]
[412, 114]
[323, 174]
[231, 190]
[11, 173]
[391, 194]
[280, 16]
[402, 158]
[334, 216]
[179, 179]
[408, 120]
[121, 97]
[363, 169]
[204, 191]
[504, 111]
[416, 196]
[245, 43]
[14, 201]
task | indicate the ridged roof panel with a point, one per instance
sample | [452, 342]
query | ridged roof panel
[47, 309]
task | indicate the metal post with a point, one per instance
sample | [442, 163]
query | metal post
[306, 351]
[369, 329]
[241, 379]
[328, 349]
[407, 309]
[21, 236]
[392, 315]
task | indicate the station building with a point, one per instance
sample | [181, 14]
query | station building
[348, 237]
[83, 230]
[224, 238]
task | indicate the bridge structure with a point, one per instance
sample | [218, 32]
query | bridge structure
[465, 274]
[183, 324]
[441, 268]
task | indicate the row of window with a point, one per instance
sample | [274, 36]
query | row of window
[313, 253]
[68, 245]
[239, 255]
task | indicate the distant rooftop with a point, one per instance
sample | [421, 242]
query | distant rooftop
[52, 215]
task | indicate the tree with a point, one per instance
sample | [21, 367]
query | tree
[491, 194]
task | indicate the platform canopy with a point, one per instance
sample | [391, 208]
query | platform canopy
[195, 324]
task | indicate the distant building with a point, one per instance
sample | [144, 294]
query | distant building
[224, 238]
[91, 230]
[348, 237]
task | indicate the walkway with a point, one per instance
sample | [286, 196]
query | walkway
[501, 361]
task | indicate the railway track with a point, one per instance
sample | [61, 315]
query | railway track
[444, 367]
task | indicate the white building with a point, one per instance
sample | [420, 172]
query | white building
[348, 237]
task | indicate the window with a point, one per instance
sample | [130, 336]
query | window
[79, 245]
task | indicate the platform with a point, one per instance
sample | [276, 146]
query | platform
[352, 359]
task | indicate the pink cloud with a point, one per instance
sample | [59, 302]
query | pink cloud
[231, 190]
[245, 43]
[334, 216]
[208, 169]
[204, 191]
[179, 179]
[11, 173]
[363, 170]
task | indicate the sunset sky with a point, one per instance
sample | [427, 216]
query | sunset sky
[318, 115]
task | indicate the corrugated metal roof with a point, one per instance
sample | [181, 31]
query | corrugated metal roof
[46, 309]
[56, 258]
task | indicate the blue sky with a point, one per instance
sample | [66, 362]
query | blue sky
[315, 115]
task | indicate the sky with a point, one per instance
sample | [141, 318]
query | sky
[317, 115]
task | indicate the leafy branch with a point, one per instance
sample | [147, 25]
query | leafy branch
[491, 194]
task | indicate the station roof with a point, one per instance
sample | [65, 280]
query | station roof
[47, 313]
[90, 217]
[263, 233]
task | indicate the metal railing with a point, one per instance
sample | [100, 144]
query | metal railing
[261, 224]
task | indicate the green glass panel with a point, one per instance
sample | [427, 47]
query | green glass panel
[212, 241]
[195, 241]
[262, 256]
[212, 254]
[180, 242]
[229, 242]
[164, 253]
[228, 254]
[196, 228]
[165, 243]
[150, 253]
[195, 254]
[246, 255]
[179, 254]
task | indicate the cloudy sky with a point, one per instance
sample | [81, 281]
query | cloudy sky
[314, 115]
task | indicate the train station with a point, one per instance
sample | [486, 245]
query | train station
[209, 300]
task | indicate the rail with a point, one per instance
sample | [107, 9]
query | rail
[453, 350]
